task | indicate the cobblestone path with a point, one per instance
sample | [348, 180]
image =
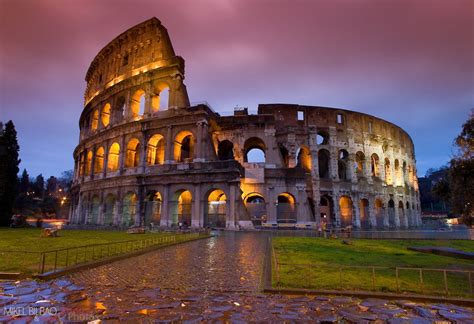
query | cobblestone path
[211, 280]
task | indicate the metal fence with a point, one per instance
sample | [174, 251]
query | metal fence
[31, 262]
[424, 281]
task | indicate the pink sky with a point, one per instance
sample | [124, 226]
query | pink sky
[410, 62]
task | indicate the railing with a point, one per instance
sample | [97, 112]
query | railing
[31, 262]
[401, 280]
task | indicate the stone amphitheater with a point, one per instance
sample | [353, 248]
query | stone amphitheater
[147, 157]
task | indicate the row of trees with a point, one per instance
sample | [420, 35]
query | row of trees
[25, 195]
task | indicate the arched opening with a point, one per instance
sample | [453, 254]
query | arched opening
[379, 213]
[81, 164]
[89, 163]
[215, 215]
[326, 209]
[254, 150]
[95, 120]
[304, 158]
[99, 160]
[94, 211]
[137, 106]
[364, 214]
[113, 157]
[182, 208]
[120, 110]
[345, 207]
[225, 150]
[410, 174]
[286, 209]
[164, 98]
[105, 115]
[184, 147]
[132, 158]
[343, 160]
[391, 213]
[129, 209]
[156, 150]
[398, 173]
[109, 209]
[388, 172]
[323, 163]
[285, 156]
[375, 168]
[322, 138]
[360, 161]
[408, 214]
[153, 205]
[256, 208]
[401, 211]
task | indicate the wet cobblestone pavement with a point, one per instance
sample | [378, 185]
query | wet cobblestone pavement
[212, 280]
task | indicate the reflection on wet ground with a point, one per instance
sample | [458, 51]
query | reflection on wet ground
[215, 279]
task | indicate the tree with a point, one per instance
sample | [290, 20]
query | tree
[24, 182]
[9, 161]
[459, 185]
[38, 186]
[51, 185]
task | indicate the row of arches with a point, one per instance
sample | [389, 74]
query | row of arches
[125, 212]
[94, 160]
[137, 106]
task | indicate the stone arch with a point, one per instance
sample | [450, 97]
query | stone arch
[89, 162]
[129, 209]
[105, 115]
[94, 210]
[120, 108]
[379, 215]
[256, 207]
[113, 157]
[326, 209]
[398, 174]
[225, 150]
[99, 160]
[160, 98]
[286, 208]
[360, 163]
[374, 165]
[132, 157]
[346, 207]
[109, 209]
[184, 146]
[391, 213]
[95, 120]
[137, 105]
[322, 138]
[401, 211]
[156, 150]
[364, 213]
[81, 163]
[153, 205]
[257, 149]
[342, 162]
[182, 208]
[216, 205]
[323, 163]
[285, 155]
[303, 158]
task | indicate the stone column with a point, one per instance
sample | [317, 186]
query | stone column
[142, 158]
[100, 217]
[302, 208]
[169, 154]
[140, 214]
[372, 218]
[337, 212]
[356, 211]
[93, 162]
[127, 114]
[231, 207]
[165, 210]
[351, 168]
[148, 111]
[106, 158]
[198, 152]
[271, 208]
[123, 152]
[78, 211]
[333, 167]
[197, 214]
[397, 215]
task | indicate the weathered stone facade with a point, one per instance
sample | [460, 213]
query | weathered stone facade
[147, 156]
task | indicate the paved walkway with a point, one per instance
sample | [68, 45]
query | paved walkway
[214, 279]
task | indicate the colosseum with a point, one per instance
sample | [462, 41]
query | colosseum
[147, 157]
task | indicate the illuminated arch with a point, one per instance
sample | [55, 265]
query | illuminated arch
[105, 115]
[95, 120]
[109, 209]
[215, 215]
[132, 158]
[323, 163]
[345, 207]
[156, 150]
[137, 106]
[184, 146]
[89, 163]
[286, 209]
[254, 150]
[113, 157]
[304, 158]
[153, 206]
[99, 160]
[129, 209]
[374, 165]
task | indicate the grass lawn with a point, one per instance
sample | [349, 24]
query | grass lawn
[324, 257]
[30, 240]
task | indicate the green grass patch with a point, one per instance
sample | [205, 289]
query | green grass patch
[317, 263]
[83, 245]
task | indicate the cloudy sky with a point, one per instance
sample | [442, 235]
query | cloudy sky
[410, 62]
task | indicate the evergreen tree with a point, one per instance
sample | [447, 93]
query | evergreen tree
[51, 185]
[24, 182]
[9, 161]
[39, 186]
